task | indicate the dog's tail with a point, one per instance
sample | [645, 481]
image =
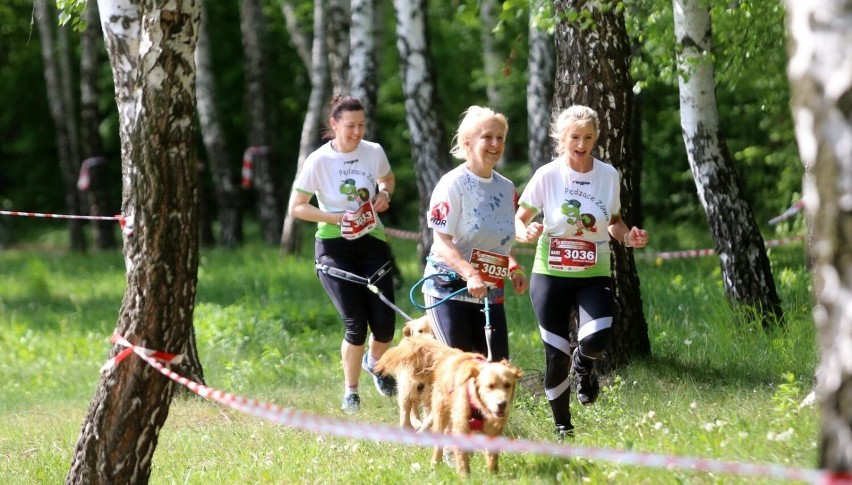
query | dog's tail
[394, 358]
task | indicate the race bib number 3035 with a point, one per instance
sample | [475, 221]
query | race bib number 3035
[569, 254]
[493, 267]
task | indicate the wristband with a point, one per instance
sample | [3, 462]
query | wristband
[387, 194]
[517, 269]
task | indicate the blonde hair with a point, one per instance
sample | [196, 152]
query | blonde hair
[472, 119]
[569, 118]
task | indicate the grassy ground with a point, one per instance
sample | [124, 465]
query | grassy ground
[715, 387]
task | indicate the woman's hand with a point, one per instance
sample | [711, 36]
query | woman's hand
[520, 282]
[531, 234]
[636, 238]
[476, 286]
[381, 202]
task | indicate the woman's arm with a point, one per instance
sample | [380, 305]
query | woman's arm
[300, 207]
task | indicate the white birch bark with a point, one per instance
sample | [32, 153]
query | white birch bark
[541, 66]
[151, 46]
[428, 146]
[820, 72]
[363, 60]
[312, 125]
[746, 273]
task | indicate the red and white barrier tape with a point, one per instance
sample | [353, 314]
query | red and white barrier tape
[695, 253]
[790, 212]
[126, 222]
[380, 432]
[247, 172]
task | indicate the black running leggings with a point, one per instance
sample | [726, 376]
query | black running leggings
[359, 308]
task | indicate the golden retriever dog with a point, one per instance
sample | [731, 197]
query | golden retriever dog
[411, 362]
[470, 394]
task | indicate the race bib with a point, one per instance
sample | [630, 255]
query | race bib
[569, 254]
[493, 267]
[358, 223]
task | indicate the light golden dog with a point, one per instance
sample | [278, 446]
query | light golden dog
[412, 362]
[470, 394]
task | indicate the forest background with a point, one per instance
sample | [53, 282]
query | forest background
[752, 93]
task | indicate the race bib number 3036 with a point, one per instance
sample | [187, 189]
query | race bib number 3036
[569, 254]
[493, 267]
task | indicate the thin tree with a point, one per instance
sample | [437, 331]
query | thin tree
[541, 67]
[746, 272]
[154, 90]
[337, 35]
[61, 113]
[229, 210]
[820, 60]
[317, 65]
[95, 182]
[267, 179]
[593, 69]
[364, 36]
[429, 150]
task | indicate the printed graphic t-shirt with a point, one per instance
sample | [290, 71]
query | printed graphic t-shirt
[342, 181]
[575, 205]
[478, 213]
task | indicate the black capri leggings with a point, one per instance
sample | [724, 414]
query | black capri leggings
[359, 308]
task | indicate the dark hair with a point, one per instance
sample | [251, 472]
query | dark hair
[340, 103]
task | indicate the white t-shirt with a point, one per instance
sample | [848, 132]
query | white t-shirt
[478, 213]
[342, 181]
[574, 205]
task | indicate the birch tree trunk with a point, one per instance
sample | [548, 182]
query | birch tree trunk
[746, 273]
[429, 150]
[337, 36]
[61, 112]
[541, 66]
[227, 192]
[819, 72]
[154, 86]
[312, 125]
[593, 69]
[97, 193]
[489, 11]
[267, 178]
[363, 59]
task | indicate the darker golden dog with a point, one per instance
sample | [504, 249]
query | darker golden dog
[412, 362]
[470, 394]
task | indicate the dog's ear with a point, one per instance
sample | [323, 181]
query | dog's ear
[406, 331]
[518, 372]
[468, 370]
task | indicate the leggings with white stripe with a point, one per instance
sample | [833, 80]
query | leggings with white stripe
[553, 298]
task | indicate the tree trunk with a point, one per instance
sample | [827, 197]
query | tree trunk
[593, 69]
[337, 36]
[312, 125]
[267, 178]
[820, 56]
[229, 211]
[97, 193]
[540, 71]
[363, 59]
[746, 273]
[429, 150]
[155, 82]
[61, 113]
[492, 63]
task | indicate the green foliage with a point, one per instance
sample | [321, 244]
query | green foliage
[72, 11]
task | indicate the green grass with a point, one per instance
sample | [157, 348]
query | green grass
[717, 385]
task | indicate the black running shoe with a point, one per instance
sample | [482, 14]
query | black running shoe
[386, 385]
[588, 387]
